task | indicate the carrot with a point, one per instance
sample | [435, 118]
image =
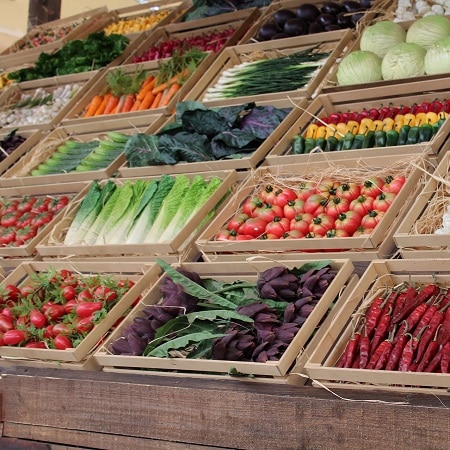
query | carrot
[178, 78]
[147, 102]
[101, 108]
[136, 105]
[120, 104]
[149, 79]
[112, 103]
[128, 103]
[93, 105]
[169, 94]
[155, 103]
[146, 88]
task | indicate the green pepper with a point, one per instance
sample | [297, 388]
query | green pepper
[348, 141]
[358, 142]
[403, 134]
[425, 133]
[369, 140]
[413, 135]
[310, 143]
[392, 138]
[321, 143]
[298, 144]
[332, 143]
[380, 138]
[340, 144]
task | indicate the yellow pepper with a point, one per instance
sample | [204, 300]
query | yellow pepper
[409, 119]
[366, 125]
[331, 130]
[341, 129]
[399, 121]
[321, 132]
[311, 131]
[421, 118]
[432, 117]
[378, 125]
[353, 126]
[388, 124]
[442, 115]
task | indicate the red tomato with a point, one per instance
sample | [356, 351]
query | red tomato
[327, 187]
[268, 212]
[25, 234]
[372, 218]
[46, 305]
[336, 233]
[68, 293]
[305, 189]
[250, 204]
[9, 206]
[293, 208]
[361, 231]
[14, 337]
[105, 293]
[61, 328]
[362, 205]
[84, 324]
[25, 219]
[225, 235]
[283, 196]
[321, 224]
[65, 274]
[27, 290]
[35, 344]
[383, 201]
[301, 223]
[7, 236]
[254, 226]
[62, 342]
[84, 296]
[10, 219]
[10, 294]
[26, 204]
[41, 219]
[48, 332]
[128, 284]
[278, 226]
[372, 186]
[55, 312]
[293, 234]
[7, 312]
[6, 323]
[349, 191]
[394, 184]
[268, 194]
[41, 204]
[235, 222]
[244, 237]
[70, 305]
[336, 206]
[37, 318]
[348, 221]
[85, 309]
[315, 204]
[57, 203]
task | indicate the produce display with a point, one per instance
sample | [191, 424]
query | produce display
[201, 9]
[73, 155]
[407, 10]
[200, 133]
[134, 212]
[404, 329]
[309, 18]
[56, 309]
[211, 41]
[22, 218]
[268, 74]
[145, 89]
[385, 126]
[328, 207]
[238, 321]
[137, 24]
[9, 143]
[389, 52]
[39, 106]
[80, 55]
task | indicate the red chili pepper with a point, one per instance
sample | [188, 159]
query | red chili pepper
[426, 317]
[414, 318]
[364, 350]
[444, 335]
[373, 313]
[381, 331]
[407, 356]
[379, 351]
[406, 296]
[429, 354]
[397, 350]
[445, 359]
[435, 321]
[347, 356]
[423, 296]
[384, 355]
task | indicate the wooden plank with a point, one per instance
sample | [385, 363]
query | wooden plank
[42, 11]
[236, 414]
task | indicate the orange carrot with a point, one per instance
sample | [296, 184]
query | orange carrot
[168, 95]
[93, 105]
[178, 78]
[101, 108]
[128, 103]
[146, 103]
[155, 103]
[112, 103]
[120, 104]
[160, 88]
[146, 88]
[136, 105]
[149, 79]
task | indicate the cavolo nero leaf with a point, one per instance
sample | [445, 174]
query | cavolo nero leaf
[229, 142]
[142, 150]
[189, 147]
[261, 121]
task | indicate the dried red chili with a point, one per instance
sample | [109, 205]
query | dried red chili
[381, 331]
[373, 313]
[429, 354]
[397, 350]
[364, 349]
[444, 334]
[445, 359]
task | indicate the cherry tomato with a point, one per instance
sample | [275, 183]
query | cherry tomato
[62, 342]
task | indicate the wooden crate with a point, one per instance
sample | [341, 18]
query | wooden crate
[331, 85]
[240, 21]
[53, 245]
[246, 162]
[359, 100]
[287, 175]
[225, 272]
[39, 150]
[13, 93]
[73, 190]
[143, 276]
[75, 115]
[88, 363]
[83, 25]
[378, 276]
[335, 41]
[415, 235]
